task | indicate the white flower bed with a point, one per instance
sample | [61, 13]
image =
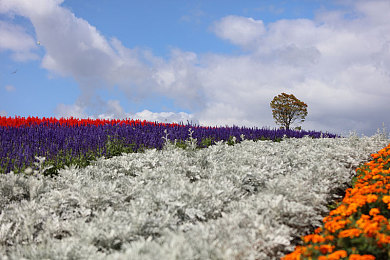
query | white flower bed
[247, 201]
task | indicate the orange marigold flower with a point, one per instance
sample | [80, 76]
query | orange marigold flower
[371, 198]
[361, 257]
[352, 208]
[363, 221]
[374, 155]
[383, 239]
[374, 211]
[313, 238]
[338, 210]
[324, 249]
[296, 255]
[370, 229]
[379, 218]
[333, 226]
[353, 232]
[386, 199]
[329, 238]
[318, 230]
[375, 170]
[337, 255]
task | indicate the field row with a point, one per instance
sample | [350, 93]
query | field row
[63, 142]
[359, 227]
[252, 200]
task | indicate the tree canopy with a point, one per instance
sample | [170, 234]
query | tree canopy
[287, 108]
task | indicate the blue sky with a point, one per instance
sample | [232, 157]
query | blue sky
[209, 62]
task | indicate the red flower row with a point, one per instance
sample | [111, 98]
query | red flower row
[22, 121]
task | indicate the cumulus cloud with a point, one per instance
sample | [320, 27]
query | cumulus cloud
[66, 111]
[179, 79]
[242, 31]
[76, 49]
[338, 63]
[166, 117]
[15, 39]
[113, 110]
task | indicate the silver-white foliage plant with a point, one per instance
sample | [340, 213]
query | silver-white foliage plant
[247, 201]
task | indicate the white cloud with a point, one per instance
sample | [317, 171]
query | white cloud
[114, 110]
[179, 79]
[66, 111]
[240, 30]
[15, 39]
[24, 6]
[338, 63]
[9, 88]
[166, 117]
[374, 12]
[76, 49]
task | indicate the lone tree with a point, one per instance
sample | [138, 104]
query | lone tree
[287, 108]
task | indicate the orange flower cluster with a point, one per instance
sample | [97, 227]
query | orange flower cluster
[359, 228]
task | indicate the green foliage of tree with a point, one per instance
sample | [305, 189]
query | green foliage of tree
[287, 108]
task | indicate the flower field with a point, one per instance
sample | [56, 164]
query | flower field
[359, 227]
[78, 141]
[247, 194]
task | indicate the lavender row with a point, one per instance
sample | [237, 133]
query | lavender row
[62, 145]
